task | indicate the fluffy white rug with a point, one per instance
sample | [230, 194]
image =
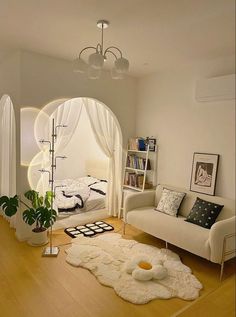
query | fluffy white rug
[106, 256]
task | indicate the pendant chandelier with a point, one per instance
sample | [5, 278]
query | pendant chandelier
[97, 59]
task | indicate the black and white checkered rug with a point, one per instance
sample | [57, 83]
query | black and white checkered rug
[89, 229]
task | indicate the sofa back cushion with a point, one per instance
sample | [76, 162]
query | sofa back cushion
[227, 212]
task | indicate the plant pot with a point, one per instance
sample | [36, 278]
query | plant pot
[38, 238]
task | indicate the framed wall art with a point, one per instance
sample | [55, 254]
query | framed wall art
[152, 144]
[204, 173]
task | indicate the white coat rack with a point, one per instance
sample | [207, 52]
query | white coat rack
[52, 250]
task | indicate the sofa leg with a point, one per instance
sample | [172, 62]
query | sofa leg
[221, 270]
[166, 245]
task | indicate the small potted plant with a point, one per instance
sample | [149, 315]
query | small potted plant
[40, 213]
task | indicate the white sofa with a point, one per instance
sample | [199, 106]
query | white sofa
[216, 244]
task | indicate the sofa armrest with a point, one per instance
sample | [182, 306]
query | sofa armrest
[221, 231]
[137, 200]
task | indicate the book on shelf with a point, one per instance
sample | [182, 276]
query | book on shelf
[140, 180]
[134, 161]
[137, 144]
[133, 179]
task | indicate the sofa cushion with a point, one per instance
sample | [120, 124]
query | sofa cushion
[204, 213]
[171, 229]
[170, 202]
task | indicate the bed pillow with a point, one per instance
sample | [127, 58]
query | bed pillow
[204, 213]
[170, 202]
[88, 180]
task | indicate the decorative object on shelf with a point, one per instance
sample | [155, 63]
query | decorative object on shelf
[96, 60]
[204, 173]
[152, 143]
[39, 213]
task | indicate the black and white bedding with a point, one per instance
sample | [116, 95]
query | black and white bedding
[80, 195]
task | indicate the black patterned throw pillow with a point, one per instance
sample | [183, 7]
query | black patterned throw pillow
[204, 213]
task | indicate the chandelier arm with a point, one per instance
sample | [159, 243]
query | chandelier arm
[108, 51]
[99, 48]
[86, 48]
[113, 47]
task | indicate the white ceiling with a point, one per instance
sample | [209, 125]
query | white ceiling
[153, 34]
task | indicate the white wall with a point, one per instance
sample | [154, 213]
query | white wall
[10, 76]
[81, 149]
[29, 146]
[44, 79]
[167, 109]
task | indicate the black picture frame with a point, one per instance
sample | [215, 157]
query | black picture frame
[204, 173]
[152, 144]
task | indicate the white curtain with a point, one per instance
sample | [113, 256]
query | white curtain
[7, 149]
[105, 129]
[68, 113]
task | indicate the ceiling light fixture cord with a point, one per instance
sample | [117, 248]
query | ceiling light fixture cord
[96, 60]
[102, 39]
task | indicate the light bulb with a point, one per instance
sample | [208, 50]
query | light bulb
[122, 65]
[80, 66]
[96, 60]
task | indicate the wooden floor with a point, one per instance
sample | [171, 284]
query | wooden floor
[32, 286]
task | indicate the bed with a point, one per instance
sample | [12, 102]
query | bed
[83, 199]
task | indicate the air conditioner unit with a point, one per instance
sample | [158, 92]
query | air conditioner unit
[215, 89]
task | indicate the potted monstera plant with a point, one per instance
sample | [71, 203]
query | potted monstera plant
[40, 214]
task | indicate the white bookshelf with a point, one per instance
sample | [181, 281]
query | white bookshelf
[148, 156]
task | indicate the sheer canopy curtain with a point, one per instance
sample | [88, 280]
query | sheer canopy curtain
[7, 149]
[108, 136]
[68, 113]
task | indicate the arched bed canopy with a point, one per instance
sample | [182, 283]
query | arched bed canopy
[106, 130]
[7, 149]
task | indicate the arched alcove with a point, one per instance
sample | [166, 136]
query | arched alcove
[107, 140]
[7, 150]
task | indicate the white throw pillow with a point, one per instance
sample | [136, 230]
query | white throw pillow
[170, 202]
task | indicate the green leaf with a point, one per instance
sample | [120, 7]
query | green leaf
[48, 199]
[46, 217]
[29, 216]
[3, 199]
[9, 205]
[40, 201]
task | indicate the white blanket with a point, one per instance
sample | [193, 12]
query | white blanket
[75, 193]
[79, 194]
